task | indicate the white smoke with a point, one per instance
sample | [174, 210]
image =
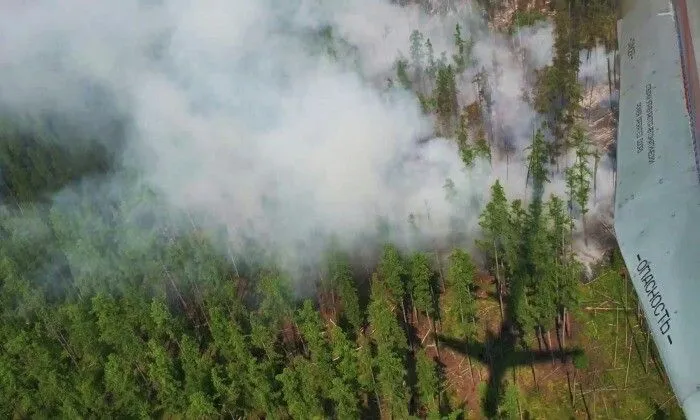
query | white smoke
[596, 65]
[236, 121]
[537, 41]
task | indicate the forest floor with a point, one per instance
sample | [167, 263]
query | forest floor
[623, 380]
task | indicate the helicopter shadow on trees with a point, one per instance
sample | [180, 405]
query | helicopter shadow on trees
[499, 354]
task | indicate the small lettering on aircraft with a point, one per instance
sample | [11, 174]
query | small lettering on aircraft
[640, 128]
[631, 48]
[651, 130]
[654, 297]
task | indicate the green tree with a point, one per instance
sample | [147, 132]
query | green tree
[427, 383]
[421, 279]
[446, 96]
[537, 162]
[417, 57]
[532, 293]
[460, 282]
[567, 269]
[423, 293]
[340, 272]
[459, 57]
[544, 284]
[345, 385]
[162, 375]
[365, 367]
[312, 330]
[578, 176]
[196, 368]
[276, 302]
[430, 64]
[386, 330]
[508, 406]
[459, 305]
[300, 394]
[402, 73]
[495, 224]
[391, 347]
[558, 91]
[392, 273]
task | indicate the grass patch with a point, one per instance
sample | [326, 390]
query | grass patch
[624, 378]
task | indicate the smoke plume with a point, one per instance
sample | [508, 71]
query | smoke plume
[239, 121]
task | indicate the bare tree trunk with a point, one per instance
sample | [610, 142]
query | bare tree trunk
[627, 319]
[376, 395]
[439, 266]
[646, 357]
[471, 367]
[435, 337]
[549, 344]
[61, 339]
[568, 382]
[189, 216]
[585, 404]
[515, 383]
[534, 375]
[415, 310]
[498, 282]
[609, 80]
[233, 260]
[629, 355]
[560, 333]
[335, 306]
[564, 328]
[595, 177]
[617, 316]
[172, 283]
[405, 323]
[507, 164]
[202, 308]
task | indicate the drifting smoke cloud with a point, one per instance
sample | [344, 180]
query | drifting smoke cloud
[235, 120]
[596, 65]
[537, 42]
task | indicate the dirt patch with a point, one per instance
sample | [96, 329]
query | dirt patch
[462, 373]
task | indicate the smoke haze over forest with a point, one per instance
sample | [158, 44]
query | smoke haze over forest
[236, 117]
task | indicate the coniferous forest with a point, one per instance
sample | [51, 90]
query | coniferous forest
[171, 327]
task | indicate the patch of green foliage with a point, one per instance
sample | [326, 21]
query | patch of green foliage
[524, 18]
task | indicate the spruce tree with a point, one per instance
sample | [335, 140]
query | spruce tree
[495, 224]
[427, 383]
[460, 302]
[340, 272]
[459, 57]
[578, 176]
[402, 73]
[418, 58]
[422, 287]
[390, 342]
[431, 64]
[392, 273]
[345, 387]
